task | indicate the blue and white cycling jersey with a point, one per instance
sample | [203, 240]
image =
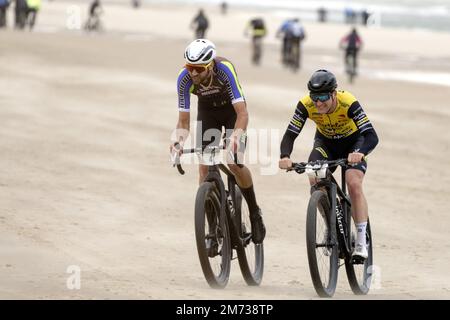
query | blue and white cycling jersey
[224, 89]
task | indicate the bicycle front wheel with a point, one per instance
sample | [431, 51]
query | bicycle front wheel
[360, 275]
[212, 237]
[321, 244]
[250, 255]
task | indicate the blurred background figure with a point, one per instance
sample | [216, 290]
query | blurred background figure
[322, 14]
[293, 35]
[93, 22]
[4, 4]
[20, 9]
[351, 44]
[349, 15]
[364, 17]
[257, 30]
[135, 3]
[33, 7]
[200, 24]
[224, 7]
[285, 34]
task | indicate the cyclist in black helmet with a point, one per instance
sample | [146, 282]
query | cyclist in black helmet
[343, 131]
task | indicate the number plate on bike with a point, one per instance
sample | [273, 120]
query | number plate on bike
[317, 170]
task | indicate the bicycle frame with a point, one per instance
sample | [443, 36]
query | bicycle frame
[343, 209]
[339, 222]
[233, 232]
[234, 221]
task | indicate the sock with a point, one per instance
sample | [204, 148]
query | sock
[249, 195]
[361, 233]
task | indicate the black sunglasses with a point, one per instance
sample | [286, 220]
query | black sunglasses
[322, 97]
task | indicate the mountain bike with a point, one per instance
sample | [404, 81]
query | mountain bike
[331, 233]
[350, 66]
[257, 50]
[94, 21]
[93, 24]
[222, 225]
[295, 56]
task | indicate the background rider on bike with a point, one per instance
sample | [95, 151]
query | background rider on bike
[257, 29]
[95, 11]
[343, 131]
[221, 103]
[293, 35]
[200, 24]
[351, 43]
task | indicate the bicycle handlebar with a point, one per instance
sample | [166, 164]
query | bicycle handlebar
[200, 150]
[300, 167]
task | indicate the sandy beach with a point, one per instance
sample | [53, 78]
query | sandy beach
[86, 182]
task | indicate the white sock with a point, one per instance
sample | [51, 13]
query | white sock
[361, 233]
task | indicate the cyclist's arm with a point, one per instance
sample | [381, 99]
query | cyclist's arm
[359, 43]
[182, 129]
[293, 130]
[241, 116]
[365, 128]
[184, 89]
[343, 42]
[185, 86]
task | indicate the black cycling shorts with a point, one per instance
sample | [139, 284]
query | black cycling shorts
[210, 121]
[325, 149]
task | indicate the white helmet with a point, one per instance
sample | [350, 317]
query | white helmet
[200, 51]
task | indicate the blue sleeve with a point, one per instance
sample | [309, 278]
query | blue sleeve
[184, 86]
[227, 74]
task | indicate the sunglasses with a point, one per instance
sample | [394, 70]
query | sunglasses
[322, 97]
[197, 67]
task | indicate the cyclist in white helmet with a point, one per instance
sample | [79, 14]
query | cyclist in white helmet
[221, 103]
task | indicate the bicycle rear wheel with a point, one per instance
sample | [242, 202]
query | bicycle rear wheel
[250, 255]
[351, 69]
[321, 244]
[360, 275]
[212, 237]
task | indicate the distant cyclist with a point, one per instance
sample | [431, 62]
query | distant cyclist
[33, 7]
[200, 24]
[221, 103]
[293, 34]
[343, 131]
[136, 3]
[21, 9]
[257, 29]
[4, 4]
[351, 43]
[95, 11]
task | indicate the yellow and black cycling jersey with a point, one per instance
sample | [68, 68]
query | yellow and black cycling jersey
[257, 27]
[345, 124]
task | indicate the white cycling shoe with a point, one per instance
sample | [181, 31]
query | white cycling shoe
[360, 252]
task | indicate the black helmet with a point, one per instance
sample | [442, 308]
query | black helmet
[322, 81]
